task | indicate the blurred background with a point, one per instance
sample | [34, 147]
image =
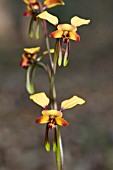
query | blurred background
[88, 140]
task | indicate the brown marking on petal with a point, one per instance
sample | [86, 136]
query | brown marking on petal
[42, 119]
[25, 62]
[56, 34]
[61, 121]
[27, 13]
[78, 37]
[52, 3]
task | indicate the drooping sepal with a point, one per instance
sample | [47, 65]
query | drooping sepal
[60, 53]
[31, 31]
[55, 140]
[37, 33]
[47, 146]
[47, 143]
[56, 54]
[66, 55]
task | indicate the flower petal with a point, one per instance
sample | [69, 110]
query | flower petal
[51, 51]
[52, 3]
[76, 21]
[42, 119]
[49, 17]
[67, 104]
[61, 121]
[25, 62]
[29, 1]
[74, 36]
[41, 99]
[27, 13]
[52, 113]
[66, 27]
[56, 34]
[32, 50]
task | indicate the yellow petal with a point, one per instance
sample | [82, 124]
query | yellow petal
[29, 8]
[74, 36]
[55, 113]
[41, 99]
[29, 1]
[32, 50]
[76, 21]
[34, 56]
[61, 121]
[49, 17]
[52, 3]
[56, 34]
[67, 104]
[66, 27]
[46, 52]
[42, 119]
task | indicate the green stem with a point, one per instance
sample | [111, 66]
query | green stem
[53, 93]
[46, 35]
[59, 150]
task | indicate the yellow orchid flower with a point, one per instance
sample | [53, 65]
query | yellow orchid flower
[52, 118]
[34, 7]
[64, 32]
[28, 55]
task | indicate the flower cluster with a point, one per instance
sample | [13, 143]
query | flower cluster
[34, 57]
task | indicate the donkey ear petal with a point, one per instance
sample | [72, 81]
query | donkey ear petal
[49, 17]
[76, 21]
[41, 99]
[68, 104]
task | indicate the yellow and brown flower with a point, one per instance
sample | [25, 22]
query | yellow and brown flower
[34, 7]
[64, 32]
[29, 56]
[53, 117]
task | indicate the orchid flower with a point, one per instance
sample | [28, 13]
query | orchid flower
[64, 32]
[53, 117]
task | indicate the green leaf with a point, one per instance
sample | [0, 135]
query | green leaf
[56, 53]
[30, 78]
[47, 146]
